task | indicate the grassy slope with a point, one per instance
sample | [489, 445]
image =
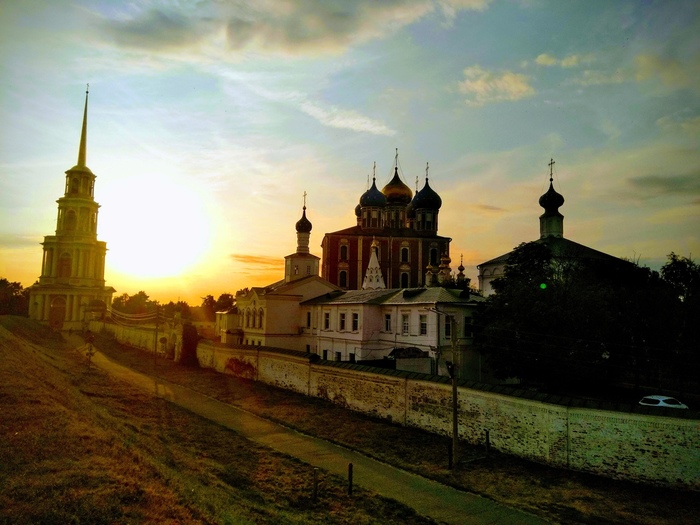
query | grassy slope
[77, 446]
[558, 495]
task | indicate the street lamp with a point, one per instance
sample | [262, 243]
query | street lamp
[452, 371]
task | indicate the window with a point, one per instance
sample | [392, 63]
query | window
[338, 356]
[64, 265]
[404, 324]
[387, 322]
[448, 326]
[343, 279]
[344, 252]
[325, 354]
[296, 269]
[308, 319]
[261, 314]
[351, 356]
[423, 324]
[308, 349]
[341, 322]
[355, 322]
[404, 255]
[404, 279]
[326, 320]
[308, 270]
[468, 327]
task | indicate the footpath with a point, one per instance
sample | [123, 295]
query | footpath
[429, 498]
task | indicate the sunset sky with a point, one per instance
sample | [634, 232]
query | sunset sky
[209, 120]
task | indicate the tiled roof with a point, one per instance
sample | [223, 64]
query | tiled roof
[397, 296]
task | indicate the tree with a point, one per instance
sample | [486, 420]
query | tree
[566, 321]
[683, 275]
[224, 302]
[208, 308]
[14, 299]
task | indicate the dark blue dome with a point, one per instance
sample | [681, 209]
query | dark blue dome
[303, 224]
[373, 197]
[551, 200]
[426, 198]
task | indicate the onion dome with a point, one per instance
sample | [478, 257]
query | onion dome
[396, 191]
[551, 200]
[373, 197]
[426, 198]
[303, 224]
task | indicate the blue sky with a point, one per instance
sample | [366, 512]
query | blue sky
[209, 120]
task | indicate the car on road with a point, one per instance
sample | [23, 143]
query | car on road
[661, 401]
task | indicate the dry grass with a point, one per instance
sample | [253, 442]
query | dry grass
[557, 495]
[77, 446]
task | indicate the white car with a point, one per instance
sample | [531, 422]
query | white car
[661, 401]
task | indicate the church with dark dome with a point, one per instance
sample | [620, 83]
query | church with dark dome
[400, 228]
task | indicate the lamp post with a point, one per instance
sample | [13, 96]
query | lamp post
[452, 371]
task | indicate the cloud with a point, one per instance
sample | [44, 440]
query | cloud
[689, 126]
[345, 119]
[482, 86]
[592, 77]
[660, 185]
[673, 74]
[566, 62]
[290, 27]
[260, 261]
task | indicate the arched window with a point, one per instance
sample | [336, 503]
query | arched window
[404, 279]
[247, 318]
[404, 255]
[344, 252]
[74, 186]
[260, 318]
[64, 265]
[343, 279]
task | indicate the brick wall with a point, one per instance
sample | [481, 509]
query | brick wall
[634, 446]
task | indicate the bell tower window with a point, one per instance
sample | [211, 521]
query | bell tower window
[64, 265]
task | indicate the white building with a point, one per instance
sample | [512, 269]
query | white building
[420, 328]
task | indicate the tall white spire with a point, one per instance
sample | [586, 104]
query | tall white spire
[373, 278]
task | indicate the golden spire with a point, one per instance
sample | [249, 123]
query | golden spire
[83, 135]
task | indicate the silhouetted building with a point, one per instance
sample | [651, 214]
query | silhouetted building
[71, 287]
[400, 229]
[551, 233]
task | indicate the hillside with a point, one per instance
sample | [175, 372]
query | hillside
[76, 446]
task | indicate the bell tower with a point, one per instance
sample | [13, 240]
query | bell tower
[71, 289]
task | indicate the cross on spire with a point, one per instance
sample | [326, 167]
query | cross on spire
[427, 168]
[551, 168]
[304, 200]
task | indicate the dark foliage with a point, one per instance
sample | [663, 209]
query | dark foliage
[190, 338]
[581, 323]
[14, 299]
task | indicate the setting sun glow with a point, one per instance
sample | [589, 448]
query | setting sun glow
[155, 226]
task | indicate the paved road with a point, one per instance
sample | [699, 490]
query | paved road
[429, 498]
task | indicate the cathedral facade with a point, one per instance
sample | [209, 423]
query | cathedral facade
[400, 229]
[71, 288]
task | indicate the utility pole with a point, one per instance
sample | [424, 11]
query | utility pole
[452, 370]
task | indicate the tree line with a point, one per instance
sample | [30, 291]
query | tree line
[565, 323]
[140, 303]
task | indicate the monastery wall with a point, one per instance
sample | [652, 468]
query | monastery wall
[634, 446]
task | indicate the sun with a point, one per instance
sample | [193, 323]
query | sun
[154, 226]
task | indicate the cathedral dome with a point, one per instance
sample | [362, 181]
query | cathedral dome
[373, 198]
[396, 191]
[426, 198]
[551, 200]
[303, 224]
[358, 211]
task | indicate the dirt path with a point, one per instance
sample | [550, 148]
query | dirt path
[429, 498]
